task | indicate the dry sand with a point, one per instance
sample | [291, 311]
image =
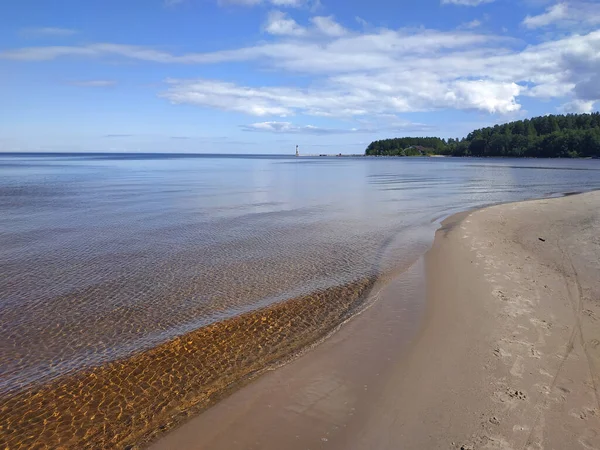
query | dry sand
[506, 356]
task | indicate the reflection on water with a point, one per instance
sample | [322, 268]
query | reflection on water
[104, 256]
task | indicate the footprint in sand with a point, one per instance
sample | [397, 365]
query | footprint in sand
[501, 353]
[509, 397]
[584, 413]
[520, 395]
[589, 439]
[594, 343]
[500, 295]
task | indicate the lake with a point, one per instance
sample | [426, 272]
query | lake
[104, 255]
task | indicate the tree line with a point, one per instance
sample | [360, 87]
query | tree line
[552, 136]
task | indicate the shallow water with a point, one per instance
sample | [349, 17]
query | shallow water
[103, 256]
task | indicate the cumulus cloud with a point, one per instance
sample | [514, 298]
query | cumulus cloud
[486, 80]
[378, 72]
[328, 26]
[489, 80]
[466, 2]
[578, 106]
[566, 14]
[279, 23]
[483, 95]
[553, 14]
[348, 97]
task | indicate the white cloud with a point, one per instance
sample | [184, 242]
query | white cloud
[347, 97]
[289, 128]
[373, 73]
[46, 53]
[550, 87]
[381, 79]
[354, 52]
[466, 2]
[240, 2]
[552, 14]
[361, 21]
[93, 83]
[470, 25]
[490, 96]
[173, 2]
[578, 106]
[279, 23]
[573, 14]
[391, 123]
[47, 31]
[228, 96]
[289, 3]
[328, 26]
[279, 3]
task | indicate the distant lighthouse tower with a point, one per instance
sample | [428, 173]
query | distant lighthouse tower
[297, 152]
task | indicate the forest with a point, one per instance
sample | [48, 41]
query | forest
[551, 136]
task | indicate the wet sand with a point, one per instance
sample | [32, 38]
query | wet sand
[506, 356]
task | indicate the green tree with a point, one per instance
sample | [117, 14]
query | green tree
[553, 136]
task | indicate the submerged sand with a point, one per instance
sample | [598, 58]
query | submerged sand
[507, 355]
[127, 402]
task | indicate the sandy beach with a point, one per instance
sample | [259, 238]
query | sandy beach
[505, 355]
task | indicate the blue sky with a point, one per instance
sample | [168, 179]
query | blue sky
[260, 76]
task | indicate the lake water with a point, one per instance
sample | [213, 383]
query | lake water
[103, 256]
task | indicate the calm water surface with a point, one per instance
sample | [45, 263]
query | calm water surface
[105, 255]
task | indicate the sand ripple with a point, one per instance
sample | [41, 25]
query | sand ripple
[127, 402]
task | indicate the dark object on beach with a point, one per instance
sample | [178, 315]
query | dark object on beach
[541, 239]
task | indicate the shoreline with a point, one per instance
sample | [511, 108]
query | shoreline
[108, 390]
[506, 355]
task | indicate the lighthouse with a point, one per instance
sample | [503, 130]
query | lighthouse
[297, 152]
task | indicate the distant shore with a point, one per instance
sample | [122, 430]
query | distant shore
[506, 356]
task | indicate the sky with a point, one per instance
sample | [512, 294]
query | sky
[262, 76]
